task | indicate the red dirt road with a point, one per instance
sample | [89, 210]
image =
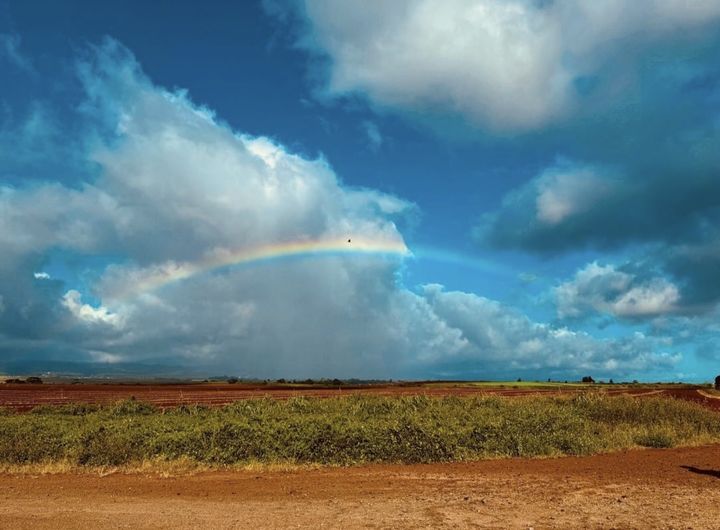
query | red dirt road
[643, 489]
[695, 396]
[25, 397]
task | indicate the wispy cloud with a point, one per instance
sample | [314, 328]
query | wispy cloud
[10, 48]
[374, 137]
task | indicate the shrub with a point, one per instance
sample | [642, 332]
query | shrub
[352, 429]
[131, 407]
[656, 439]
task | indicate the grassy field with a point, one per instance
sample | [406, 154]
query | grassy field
[556, 385]
[509, 384]
[350, 430]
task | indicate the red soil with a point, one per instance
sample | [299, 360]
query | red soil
[644, 489]
[690, 394]
[24, 397]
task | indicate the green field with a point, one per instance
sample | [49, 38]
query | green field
[556, 385]
[351, 430]
[514, 384]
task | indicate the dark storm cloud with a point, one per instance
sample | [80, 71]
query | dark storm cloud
[644, 175]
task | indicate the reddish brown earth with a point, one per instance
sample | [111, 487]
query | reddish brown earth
[695, 396]
[643, 489]
[22, 397]
[25, 397]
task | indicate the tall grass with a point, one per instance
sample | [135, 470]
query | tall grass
[350, 430]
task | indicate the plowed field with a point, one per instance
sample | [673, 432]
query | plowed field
[24, 397]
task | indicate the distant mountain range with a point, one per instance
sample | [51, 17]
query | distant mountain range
[25, 367]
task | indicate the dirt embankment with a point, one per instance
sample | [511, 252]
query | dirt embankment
[675, 488]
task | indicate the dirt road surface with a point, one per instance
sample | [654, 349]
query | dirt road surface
[671, 488]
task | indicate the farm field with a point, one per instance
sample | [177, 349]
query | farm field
[329, 427]
[24, 397]
[640, 489]
[426, 455]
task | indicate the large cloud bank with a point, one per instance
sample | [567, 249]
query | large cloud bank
[509, 65]
[172, 185]
[623, 95]
[626, 94]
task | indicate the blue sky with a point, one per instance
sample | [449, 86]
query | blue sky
[553, 168]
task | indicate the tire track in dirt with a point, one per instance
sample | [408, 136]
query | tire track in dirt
[641, 489]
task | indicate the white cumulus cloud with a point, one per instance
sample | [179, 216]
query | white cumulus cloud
[566, 191]
[505, 64]
[72, 300]
[604, 289]
[176, 186]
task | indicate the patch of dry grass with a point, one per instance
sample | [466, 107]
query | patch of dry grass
[134, 437]
[161, 467]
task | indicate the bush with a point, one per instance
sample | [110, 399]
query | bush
[114, 445]
[132, 407]
[354, 429]
[70, 409]
[656, 439]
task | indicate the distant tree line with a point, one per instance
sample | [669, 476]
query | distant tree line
[32, 380]
[309, 381]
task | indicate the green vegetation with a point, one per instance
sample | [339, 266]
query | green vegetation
[554, 385]
[350, 430]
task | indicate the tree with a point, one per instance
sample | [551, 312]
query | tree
[588, 379]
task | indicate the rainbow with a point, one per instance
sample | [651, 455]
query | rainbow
[169, 272]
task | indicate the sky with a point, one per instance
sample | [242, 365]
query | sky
[417, 189]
